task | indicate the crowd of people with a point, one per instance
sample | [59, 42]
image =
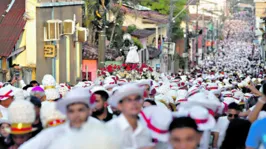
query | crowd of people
[237, 52]
[218, 105]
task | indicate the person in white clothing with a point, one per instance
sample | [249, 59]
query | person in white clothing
[97, 138]
[6, 98]
[222, 124]
[126, 127]
[77, 107]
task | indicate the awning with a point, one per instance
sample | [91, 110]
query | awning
[17, 51]
[142, 33]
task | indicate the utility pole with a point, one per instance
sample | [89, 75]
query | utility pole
[185, 55]
[169, 36]
[169, 31]
[197, 36]
[203, 37]
[102, 36]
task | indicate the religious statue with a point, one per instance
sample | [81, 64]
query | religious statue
[129, 50]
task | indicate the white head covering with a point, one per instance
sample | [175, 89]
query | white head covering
[50, 116]
[50, 89]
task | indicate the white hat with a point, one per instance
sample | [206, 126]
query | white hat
[222, 108]
[79, 85]
[99, 88]
[163, 89]
[114, 90]
[183, 78]
[173, 84]
[228, 100]
[227, 94]
[228, 86]
[88, 83]
[173, 94]
[145, 82]
[205, 99]
[248, 95]
[77, 95]
[181, 84]
[124, 91]
[50, 89]
[203, 118]
[50, 116]
[109, 83]
[201, 115]
[21, 115]
[19, 95]
[193, 90]
[181, 96]
[122, 81]
[213, 87]
[157, 119]
[63, 89]
[175, 80]
[162, 98]
[7, 92]
[239, 97]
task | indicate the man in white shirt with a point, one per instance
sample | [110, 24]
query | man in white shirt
[222, 124]
[77, 108]
[127, 128]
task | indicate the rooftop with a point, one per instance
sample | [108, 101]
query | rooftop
[146, 14]
[11, 25]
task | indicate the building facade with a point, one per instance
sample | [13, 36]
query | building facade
[32, 42]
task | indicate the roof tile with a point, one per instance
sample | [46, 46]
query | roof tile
[11, 26]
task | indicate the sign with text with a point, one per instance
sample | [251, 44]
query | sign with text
[49, 51]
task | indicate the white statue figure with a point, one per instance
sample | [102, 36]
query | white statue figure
[133, 56]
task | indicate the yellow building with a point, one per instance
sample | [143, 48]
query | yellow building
[47, 26]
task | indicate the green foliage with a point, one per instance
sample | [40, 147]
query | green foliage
[131, 28]
[88, 9]
[137, 42]
[163, 7]
[117, 26]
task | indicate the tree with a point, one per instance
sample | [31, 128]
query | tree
[163, 7]
[88, 10]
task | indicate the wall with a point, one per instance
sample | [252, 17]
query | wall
[131, 19]
[30, 30]
[21, 57]
[92, 67]
[44, 65]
